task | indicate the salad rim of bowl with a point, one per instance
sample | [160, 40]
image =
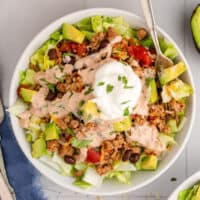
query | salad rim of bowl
[42, 36]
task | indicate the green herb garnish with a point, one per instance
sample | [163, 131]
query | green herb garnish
[89, 90]
[125, 102]
[101, 83]
[109, 88]
[70, 132]
[51, 87]
[126, 111]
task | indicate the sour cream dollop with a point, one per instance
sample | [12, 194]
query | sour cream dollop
[117, 89]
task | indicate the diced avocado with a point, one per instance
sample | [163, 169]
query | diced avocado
[198, 192]
[154, 93]
[123, 125]
[178, 89]
[172, 73]
[38, 148]
[90, 110]
[51, 131]
[172, 125]
[97, 23]
[27, 94]
[28, 137]
[27, 77]
[195, 26]
[149, 162]
[71, 33]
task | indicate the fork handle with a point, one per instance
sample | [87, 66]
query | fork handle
[148, 14]
[4, 191]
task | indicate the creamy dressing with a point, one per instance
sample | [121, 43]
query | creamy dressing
[124, 93]
[59, 107]
[147, 136]
[102, 131]
[53, 75]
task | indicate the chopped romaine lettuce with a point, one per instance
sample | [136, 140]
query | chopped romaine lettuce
[88, 34]
[82, 184]
[84, 24]
[92, 177]
[167, 48]
[40, 57]
[26, 77]
[18, 107]
[124, 166]
[172, 125]
[178, 89]
[166, 139]
[57, 35]
[97, 23]
[147, 42]
[64, 167]
[121, 176]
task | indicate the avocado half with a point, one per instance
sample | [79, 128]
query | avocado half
[195, 26]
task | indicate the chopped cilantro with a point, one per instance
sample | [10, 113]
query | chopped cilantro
[81, 103]
[126, 111]
[70, 131]
[51, 87]
[89, 90]
[80, 143]
[80, 113]
[125, 102]
[124, 80]
[127, 87]
[109, 88]
[119, 78]
[101, 83]
[71, 94]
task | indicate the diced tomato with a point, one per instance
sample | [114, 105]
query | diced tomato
[79, 49]
[93, 156]
[72, 47]
[141, 54]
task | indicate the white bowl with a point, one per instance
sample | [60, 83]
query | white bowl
[139, 179]
[189, 182]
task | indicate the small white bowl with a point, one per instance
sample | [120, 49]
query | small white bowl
[189, 182]
[139, 179]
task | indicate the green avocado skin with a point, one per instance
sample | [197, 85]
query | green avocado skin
[195, 26]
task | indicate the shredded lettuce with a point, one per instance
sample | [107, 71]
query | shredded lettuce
[82, 184]
[84, 24]
[124, 166]
[121, 176]
[65, 169]
[40, 57]
[166, 139]
[18, 107]
[92, 177]
[26, 77]
[167, 48]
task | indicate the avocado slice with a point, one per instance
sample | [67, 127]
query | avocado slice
[195, 26]
[154, 93]
[149, 162]
[171, 73]
[27, 94]
[71, 33]
[123, 125]
[38, 148]
[51, 131]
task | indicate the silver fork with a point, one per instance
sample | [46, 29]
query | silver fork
[161, 60]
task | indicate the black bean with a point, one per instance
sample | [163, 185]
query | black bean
[104, 43]
[52, 53]
[127, 155]
[51, 96]
[73, 60]
[69, 159]
[134, 157]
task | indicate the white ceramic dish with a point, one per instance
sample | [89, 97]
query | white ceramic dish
[189, 182]
[139, 179]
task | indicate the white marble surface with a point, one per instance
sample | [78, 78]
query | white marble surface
[20, 20]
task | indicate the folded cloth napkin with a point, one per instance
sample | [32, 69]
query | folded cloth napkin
[21, 174]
